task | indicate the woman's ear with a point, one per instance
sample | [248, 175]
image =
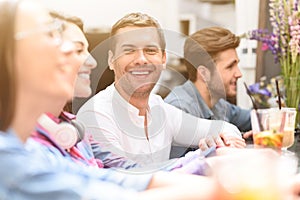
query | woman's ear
[110, 60]
[203, 73]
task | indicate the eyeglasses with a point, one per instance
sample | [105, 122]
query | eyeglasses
[53, 29]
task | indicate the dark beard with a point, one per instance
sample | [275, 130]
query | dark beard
[216, 91]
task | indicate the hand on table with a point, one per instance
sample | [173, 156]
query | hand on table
[222, 140]
[233, 140]
[248, 134]
[222, 134]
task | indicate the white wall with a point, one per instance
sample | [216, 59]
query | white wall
[247, 13]
[104, 13]
[243, 16]
[208, 14]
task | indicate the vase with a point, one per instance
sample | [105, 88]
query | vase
[292, 95]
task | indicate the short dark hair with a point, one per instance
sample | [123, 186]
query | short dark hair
[139, 20]
[204, 46]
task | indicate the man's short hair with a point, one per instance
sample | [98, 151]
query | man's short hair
[139, 20]
[204, 46]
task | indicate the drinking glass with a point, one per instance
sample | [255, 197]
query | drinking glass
[288, 127]
[254, 174]
[267, 127]
[274, 127]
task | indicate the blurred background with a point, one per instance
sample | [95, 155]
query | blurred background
[182, 17]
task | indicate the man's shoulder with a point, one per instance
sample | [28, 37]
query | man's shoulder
[222, 103]
[99, 101]
[225, 102]
[184, 88]
[181, 93]
[232, 108]
[156, 100]
[104, 95]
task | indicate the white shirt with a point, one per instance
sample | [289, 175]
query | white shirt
[117, 126]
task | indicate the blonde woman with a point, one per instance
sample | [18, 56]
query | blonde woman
[38, 68]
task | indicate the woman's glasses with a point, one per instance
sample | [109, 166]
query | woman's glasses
[54, 30]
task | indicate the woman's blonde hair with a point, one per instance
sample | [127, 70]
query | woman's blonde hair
[78, 22]
[8, 10]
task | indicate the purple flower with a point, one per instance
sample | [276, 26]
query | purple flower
[256, 89]
[283, 40]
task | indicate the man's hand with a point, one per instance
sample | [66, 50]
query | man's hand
[225, 134]
[248, 134]
[222, 141]
[210, 141]
[233, 140]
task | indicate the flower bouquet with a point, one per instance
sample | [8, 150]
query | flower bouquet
[265, 94]
[283, 41]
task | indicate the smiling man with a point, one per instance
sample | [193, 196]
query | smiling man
[127, 118]
[212, 64]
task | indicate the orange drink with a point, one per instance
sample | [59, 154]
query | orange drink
[268, 127]
[268, 139]
[254, 174]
